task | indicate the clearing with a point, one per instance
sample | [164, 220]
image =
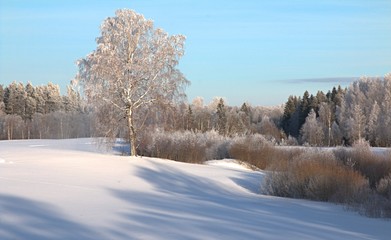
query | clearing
[67, 189]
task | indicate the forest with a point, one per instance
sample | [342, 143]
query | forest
[358, 116]
[336, 118]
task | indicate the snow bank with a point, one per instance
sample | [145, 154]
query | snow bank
[67, 189]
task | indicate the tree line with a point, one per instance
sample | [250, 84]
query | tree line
[342, 116]
[339, 117]
[28, 111]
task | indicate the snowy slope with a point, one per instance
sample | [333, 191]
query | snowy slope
[67, 189]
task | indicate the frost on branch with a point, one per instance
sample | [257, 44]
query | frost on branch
[134, 65]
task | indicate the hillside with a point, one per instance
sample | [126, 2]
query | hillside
[68, 189]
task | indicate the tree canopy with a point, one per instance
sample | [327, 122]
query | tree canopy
[134, 66]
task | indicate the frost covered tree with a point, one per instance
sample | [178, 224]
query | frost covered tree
[53, 99]
[372, 126]
[2, 107]
[312, 132]
[221, 123]
[134, 65]
[326, 119]
[14, 99]
[31, 103]
[72, 101]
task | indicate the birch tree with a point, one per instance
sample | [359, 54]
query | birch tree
[326, 118]
[134, 65]
[312, 132]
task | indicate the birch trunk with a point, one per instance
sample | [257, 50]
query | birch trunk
[132, 133]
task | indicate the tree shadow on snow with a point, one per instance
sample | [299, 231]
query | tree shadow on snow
[22, 218]
[251, 183]
[183, 206]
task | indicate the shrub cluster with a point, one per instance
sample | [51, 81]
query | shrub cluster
[316, 176]
[184, 146]
[251, 149]
[261, 153]
[374, 166]
[356, 177]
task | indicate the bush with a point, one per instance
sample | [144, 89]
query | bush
[384, 187]
[261, 153]
[252, 149]
[360, 158]
[184, 146]
[316, 176]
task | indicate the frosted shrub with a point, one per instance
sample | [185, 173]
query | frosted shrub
[360, 158]
[260, 153]
[184, 146]
[384, 187]
[217, 145]
[252, 149]
[316, 176]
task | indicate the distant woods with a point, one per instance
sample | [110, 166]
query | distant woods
[341, 116]
[42, 112]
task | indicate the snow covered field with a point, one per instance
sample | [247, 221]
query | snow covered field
[67, 189]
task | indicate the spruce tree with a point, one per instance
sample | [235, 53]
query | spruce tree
[31, 103]
[221, 117]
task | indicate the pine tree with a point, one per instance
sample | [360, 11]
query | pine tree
[31, 103]
[305, 107]
[245, 117]
[41, 99]
[53, 98]
[189, 119]
[290, 121]
[14, 99]
[71, 101]
[221, 117]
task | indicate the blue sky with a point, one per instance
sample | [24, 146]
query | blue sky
[246, 51]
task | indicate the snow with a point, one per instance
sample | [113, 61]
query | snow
[67, 189]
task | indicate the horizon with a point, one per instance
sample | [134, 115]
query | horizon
[249, 51]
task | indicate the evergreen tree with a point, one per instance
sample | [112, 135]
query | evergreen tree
[189, 119]
[31, 103]
[290, 119]
[245, 109]
[221, 117]
[53, 98]
[305, 107]
[245, 116]
[41, 99]
[71, 101]
[14, 99]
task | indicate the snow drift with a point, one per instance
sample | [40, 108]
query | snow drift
[67, 189]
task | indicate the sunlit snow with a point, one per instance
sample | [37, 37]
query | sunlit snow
[67, 189]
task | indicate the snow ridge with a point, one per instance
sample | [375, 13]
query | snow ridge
[67, 190]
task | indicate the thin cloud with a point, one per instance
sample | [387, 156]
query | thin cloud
[337, 80]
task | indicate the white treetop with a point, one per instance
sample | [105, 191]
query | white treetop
[134, 65]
